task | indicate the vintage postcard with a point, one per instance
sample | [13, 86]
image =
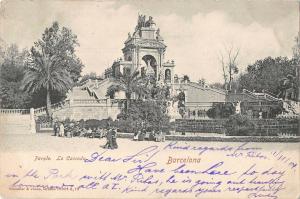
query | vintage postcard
[150, 99]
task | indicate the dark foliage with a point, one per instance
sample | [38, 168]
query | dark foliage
[267, 74]
[93, 123]
[11, 74]
[221, 110]
[240, 125]
[148, 114]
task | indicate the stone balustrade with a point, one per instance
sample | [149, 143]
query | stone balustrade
[14, 111]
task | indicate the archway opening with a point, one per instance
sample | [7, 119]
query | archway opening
[167, 75]
[150, 65]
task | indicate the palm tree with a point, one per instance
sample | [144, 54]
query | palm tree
[45, 72]
[129, 82]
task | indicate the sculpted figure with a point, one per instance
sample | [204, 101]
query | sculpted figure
[167, 75]
[149, 22]
[143, 21]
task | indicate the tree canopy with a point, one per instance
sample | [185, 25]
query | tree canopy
[52, 65]
[11, 74]
[267, 74]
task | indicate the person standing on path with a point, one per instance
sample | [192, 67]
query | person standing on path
[114, 139]
[61, 130]
[56, 128]
[109, 139]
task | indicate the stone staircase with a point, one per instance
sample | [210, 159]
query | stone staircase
[80, 93]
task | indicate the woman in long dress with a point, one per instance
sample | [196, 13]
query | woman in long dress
[61, 130]
[109, 139]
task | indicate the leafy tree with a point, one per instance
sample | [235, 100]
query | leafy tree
[91, 75]
[288, 88]
[181, 103]
[147, 114]
[11, 75]
[148, 109]
[296, 52]
[240, 125]
[52, 64]
[265, 75]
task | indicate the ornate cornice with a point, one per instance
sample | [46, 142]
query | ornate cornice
[150, 44]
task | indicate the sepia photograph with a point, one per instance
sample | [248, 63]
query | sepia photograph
[150, 99]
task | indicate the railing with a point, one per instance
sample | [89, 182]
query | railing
[56, 106]
[115, 101]
[263, 95]
[271, 95]
[261, 103]
[45, 125]
[40, 110]
[91, 92]
[15, 111]
[249, 93]
[89, 101]
[200, 104]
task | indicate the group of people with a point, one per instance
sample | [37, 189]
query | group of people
[59, 129]
[111, 138]
[152, 136]
[72, 129]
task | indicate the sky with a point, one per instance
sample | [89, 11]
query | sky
[195, 32]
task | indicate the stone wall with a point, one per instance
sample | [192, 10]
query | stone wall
[17, 121]
[264, 126]
[201, 126]
[220, 139]
[88, 112]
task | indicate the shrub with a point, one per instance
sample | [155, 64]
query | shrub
[221, 110]
[275, 110]
[240, 125]
[149, 115]
[93, 123]
[43, 119]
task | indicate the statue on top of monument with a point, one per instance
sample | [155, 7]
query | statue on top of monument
[143, 23]
[158, 36]
[150, 22]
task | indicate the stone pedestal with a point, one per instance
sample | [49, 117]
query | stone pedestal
[32, 121]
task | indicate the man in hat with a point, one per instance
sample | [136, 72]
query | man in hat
[56, 128]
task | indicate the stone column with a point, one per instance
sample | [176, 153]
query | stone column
[32, 121]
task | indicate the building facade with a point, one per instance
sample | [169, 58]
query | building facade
[144, 51]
